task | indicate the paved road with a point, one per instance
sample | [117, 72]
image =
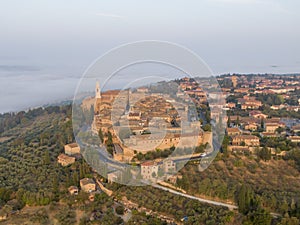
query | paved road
[231, 207]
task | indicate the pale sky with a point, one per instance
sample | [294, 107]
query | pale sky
[60, 39]
[230, 35]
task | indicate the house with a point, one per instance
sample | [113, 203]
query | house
[230, 105]
[294, 139]
[248, 102]
[134, 116]
[73, 190]
[169, 165]
[258, 114]
[149, 170]
[292, 108]
[72, 149]
[271, 127]
[65, 160]
[87, 185]
[242, 90]
[274, 120]
[251, 126]
[233, 131]
[248, 140]
[277, 107]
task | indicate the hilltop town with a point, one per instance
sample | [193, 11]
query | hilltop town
[143, 126]
[261, 118]
[254, 175]
[258, 107]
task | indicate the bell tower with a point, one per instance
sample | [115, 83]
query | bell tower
[98, 91]
[97, 98]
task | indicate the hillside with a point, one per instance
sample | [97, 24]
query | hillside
[34, 185]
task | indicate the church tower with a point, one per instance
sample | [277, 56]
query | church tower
[234, 80]
[97, 98]
[98, 91]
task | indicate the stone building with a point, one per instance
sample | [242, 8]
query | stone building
[87, 185]
[233, 131]
[65, 160]
[169, 166]
[72, 149]
[150, 142]
[271, 127]
[248, 140]
[73, 190]
[149, 170]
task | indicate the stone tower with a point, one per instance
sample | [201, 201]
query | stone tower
[234, 80]
[97, 99]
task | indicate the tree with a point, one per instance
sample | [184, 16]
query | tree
[249, 205]
[120, 210]
[109, 143]
[260, 216]
[55, 189]
[66, 217]
[75, 178]
[264, 154]
[262, 123]
[225, 144]
[5, 194]
[207, 116]
[290, 221]
[238, 121]
[46, 157]
[228, 121]
[207, 127]
[244, 199]
[101, 136]
[284, 206]
[279, 130]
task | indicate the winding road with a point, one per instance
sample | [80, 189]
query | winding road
[229, 206]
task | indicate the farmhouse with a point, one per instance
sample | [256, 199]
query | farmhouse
[72, 149]
[248, 140]
[65, 160]
[87, 185]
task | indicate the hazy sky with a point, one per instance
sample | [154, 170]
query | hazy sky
[47, 41]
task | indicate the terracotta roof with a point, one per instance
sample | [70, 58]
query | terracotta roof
[86, 181]
[256, 113]
[233, 129]
[65, 157]
[246, 137]
[294, 137]
[149, 163]
[73, 145]
[134, 114]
